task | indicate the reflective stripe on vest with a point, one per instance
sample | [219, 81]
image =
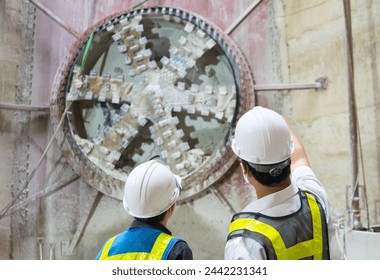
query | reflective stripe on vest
[312, 247]
[159, 251]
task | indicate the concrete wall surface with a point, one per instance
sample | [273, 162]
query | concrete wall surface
[285, 43]
[9, 55]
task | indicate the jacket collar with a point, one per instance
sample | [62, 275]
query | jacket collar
[140, 224]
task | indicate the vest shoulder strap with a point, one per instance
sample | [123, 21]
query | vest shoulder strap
[249, 225]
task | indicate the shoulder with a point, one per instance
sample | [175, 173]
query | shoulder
[180, 251]
[304, 178]
[302, 170]
[244, 248]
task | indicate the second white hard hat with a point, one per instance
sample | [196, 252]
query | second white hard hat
[262, 137]
[150, 189]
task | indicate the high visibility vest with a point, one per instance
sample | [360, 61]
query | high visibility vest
[144, 243]
[300, 235]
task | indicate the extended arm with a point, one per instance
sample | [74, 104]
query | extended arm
[299, 157]
[304, 178]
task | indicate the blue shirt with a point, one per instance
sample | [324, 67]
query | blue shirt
[143, 241]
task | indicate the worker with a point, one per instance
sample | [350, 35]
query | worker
[150, 194]
[289, 218]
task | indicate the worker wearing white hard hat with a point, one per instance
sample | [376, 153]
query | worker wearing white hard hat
[289, 219]
[150, 195]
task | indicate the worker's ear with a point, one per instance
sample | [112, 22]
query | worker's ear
[244, 167]
[172, 208]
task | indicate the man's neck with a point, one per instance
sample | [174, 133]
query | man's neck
[263, 190]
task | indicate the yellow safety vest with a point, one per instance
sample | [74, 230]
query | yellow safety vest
[312, 239]
[138, 244]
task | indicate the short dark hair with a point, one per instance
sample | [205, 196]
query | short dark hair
[153, 220]
[268, 179]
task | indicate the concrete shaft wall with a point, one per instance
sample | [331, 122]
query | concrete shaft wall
[284, 42]
[9, 55]
[322, 119]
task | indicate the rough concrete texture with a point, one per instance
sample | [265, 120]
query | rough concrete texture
[318, 49]
[288, 42]
[9, 55]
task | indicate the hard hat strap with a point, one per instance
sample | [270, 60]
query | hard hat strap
[273, 169]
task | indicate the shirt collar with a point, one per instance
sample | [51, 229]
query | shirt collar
[272, 200]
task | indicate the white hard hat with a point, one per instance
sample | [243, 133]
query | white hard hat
[262, 137]
[151, 189]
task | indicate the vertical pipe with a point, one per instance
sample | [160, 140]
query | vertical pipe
[39, 241]
[51, 256]
[356, 223]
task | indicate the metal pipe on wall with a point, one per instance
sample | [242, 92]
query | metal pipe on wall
[239, 20]
[22, 107]
[356, 222]
[319, 84]
[50, 14]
